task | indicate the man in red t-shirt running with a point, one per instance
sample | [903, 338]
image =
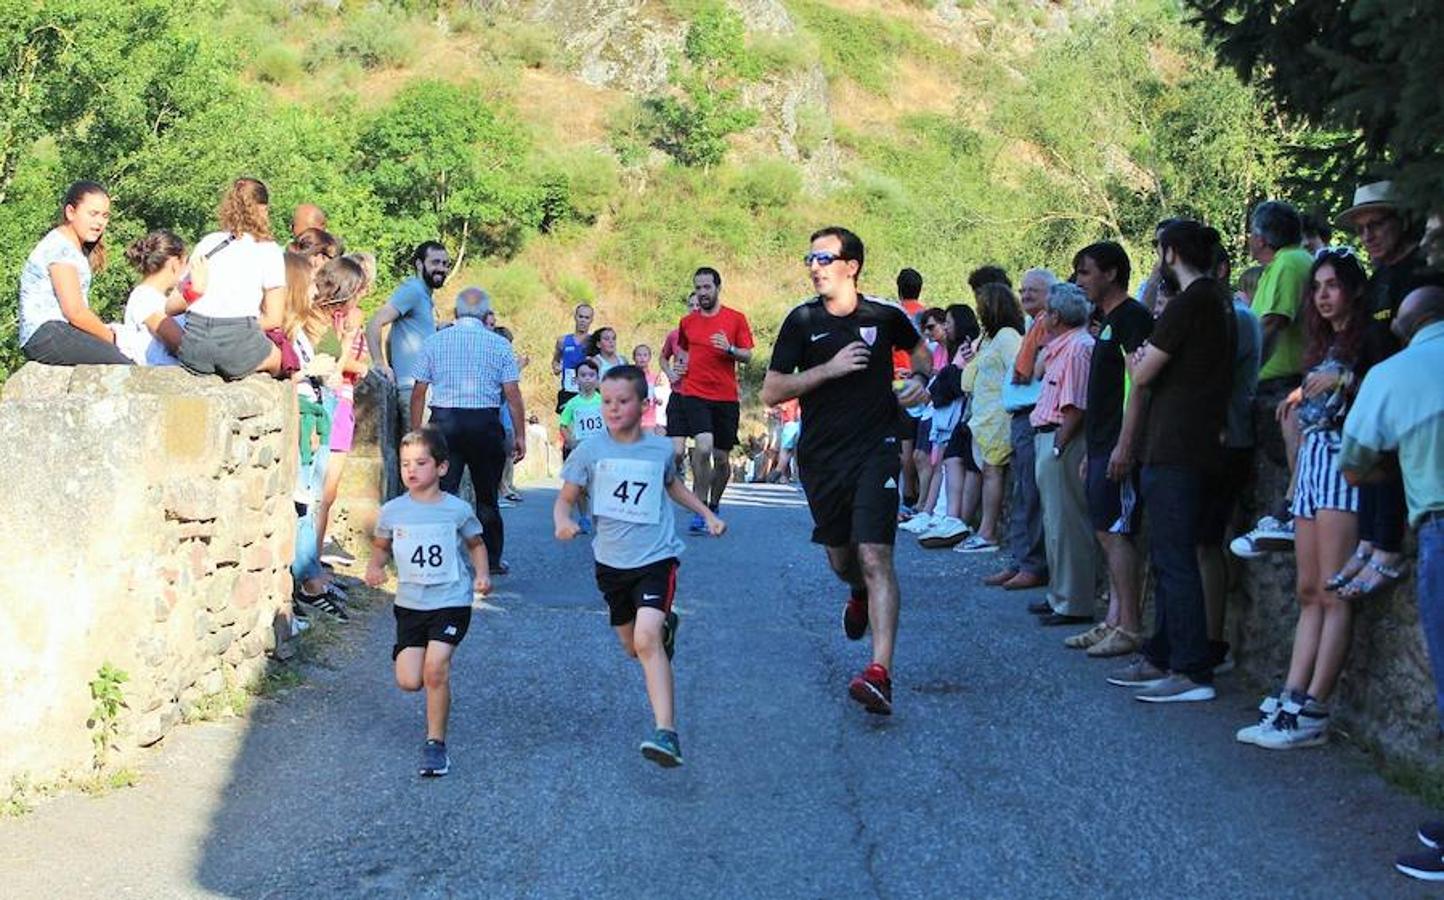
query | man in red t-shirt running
[715, 338]
[674, 365]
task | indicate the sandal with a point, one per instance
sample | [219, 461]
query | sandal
[1389, 576]
[1350, 571]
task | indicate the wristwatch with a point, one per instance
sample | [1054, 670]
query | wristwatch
[1057, 451]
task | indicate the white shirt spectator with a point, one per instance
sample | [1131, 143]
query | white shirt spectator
[134, 338]
[240, 273]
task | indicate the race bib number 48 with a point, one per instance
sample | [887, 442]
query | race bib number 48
[629, 490]
[425, 554]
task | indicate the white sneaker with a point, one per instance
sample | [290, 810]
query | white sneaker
[1296, 726]
[1270, 535]
[1267, 709]
[947, 532]
[917, 524]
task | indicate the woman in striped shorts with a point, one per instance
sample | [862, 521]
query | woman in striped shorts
[1335, 319]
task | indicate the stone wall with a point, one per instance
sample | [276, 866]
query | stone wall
[146, 521]
[1386, 694]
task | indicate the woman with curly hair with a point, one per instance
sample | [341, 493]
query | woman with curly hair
[245, 292]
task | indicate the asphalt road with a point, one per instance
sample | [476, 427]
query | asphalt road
[1009, 769]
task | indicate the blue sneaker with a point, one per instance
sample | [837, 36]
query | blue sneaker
[663, 749]
[434, 761]
[698, 525]
[584, 525]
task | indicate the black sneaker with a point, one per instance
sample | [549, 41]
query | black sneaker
[669, 634]
[1431, 834]
[1427, 865]
[434, 761]
[323, 602]
[336, 555]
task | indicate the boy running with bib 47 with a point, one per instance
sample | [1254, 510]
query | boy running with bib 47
[626, 472]
[435, 539]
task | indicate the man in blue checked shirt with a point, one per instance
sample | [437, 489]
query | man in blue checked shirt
[470, 371]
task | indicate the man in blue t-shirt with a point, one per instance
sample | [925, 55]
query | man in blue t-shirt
[411, 315]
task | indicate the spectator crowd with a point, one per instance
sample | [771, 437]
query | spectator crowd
[1073, 428]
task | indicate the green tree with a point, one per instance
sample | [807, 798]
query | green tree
[1365, 71]
[443, 163]
[692, 123]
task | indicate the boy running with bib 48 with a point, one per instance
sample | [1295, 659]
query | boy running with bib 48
[626, 472]
[435, 539]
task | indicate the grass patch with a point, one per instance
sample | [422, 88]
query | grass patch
[278, 64]
[277, 680]
[102, 783]
[376, 38]
[864, 48]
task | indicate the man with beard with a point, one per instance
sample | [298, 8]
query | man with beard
[411, 316]
[834, 352]
[715, 338]
[1186, 365]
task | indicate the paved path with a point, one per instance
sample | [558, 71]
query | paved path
[1010, 768]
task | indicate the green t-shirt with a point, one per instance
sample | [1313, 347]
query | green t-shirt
[1280, 292]
[583, 415]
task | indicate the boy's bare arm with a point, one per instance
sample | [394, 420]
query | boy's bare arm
[562, 524]
[480, 563]
[380, 556]
[688, 500]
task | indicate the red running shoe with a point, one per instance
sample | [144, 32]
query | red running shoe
[873, 689]
[854, 618]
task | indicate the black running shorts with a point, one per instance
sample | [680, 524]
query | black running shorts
[419, 627]
[691, 416]
[855, 504]
[653, 586]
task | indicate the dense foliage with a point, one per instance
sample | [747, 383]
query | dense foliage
[404, 121]
[1368, 70]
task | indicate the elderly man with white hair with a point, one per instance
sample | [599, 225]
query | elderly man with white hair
[471, 371]
[1058, 444]
[1028, 567]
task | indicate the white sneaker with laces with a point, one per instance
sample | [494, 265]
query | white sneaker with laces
[1296, 726]
[1267, 709]
[1268, 536]
[946, 532]
[917, 524]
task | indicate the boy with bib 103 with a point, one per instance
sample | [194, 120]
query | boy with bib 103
[581, 420]
[435, 540]
[626, 472]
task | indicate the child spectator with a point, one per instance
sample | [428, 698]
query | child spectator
[435, 540]
[147, 334]
[636, 546]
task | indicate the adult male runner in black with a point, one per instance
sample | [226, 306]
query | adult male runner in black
[834, 352]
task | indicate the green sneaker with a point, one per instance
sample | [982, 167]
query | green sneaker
[669, 634]
[663, 749]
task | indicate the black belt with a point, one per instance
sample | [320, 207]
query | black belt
[1436, 515]
[1046, 429]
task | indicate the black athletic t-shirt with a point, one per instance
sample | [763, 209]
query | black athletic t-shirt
[846, 418]
[1387, 288]
[1188, 401]
[1114, 334]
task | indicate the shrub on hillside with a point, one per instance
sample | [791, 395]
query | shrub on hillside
[277, 64]
[767, 184]
[376, 38]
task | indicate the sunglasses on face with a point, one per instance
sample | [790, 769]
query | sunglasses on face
[821, 257]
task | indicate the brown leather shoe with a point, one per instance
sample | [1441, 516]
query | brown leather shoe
[1023, 581]
[998, 579]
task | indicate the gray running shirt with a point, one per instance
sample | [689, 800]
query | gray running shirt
[628, 486]
[428, 544]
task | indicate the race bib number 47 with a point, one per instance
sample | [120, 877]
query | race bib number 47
[629, 490]
[425, 554]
